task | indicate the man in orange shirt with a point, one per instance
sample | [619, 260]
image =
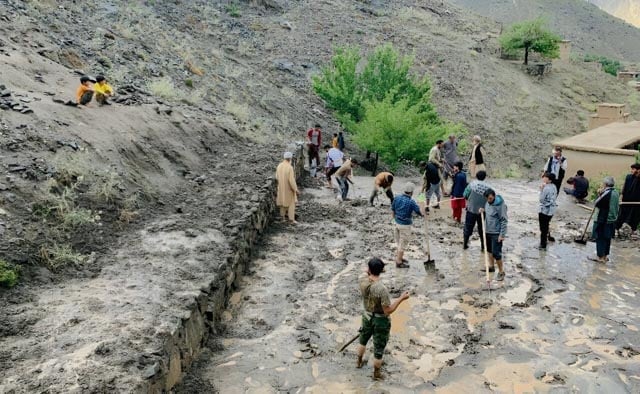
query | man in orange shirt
[84, 94]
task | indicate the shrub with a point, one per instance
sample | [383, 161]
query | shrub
[163, 87]
[610, 66]
[9, 274]
[233, 10]
[59, 256]
[399, 131]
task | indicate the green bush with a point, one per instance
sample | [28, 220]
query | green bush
[610, 66]
[8, 274]
[385, 108]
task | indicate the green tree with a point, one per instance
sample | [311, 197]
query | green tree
[386, 109]
[337, 84]
[530, 36]
[610, 66]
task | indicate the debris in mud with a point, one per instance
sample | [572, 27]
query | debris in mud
[506, 326]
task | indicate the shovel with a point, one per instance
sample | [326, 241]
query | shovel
[426, 236]
[348, 343]
[486, 250]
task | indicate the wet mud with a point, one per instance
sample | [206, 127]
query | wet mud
[558, 323]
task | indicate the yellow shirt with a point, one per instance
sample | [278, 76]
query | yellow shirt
[103, 88]
[334, 142]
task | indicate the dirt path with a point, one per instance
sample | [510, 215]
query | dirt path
[559, 321]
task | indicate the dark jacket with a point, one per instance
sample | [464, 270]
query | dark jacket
[459, 184]
[581, 186]
[431, 174]
[607, 205]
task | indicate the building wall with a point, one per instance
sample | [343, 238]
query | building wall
[595, 165]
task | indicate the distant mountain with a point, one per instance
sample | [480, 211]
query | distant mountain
[628, 10]
[591, 29]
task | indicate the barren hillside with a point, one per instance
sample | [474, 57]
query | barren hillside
[591, 29]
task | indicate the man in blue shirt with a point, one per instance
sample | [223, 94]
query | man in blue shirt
[402, 208]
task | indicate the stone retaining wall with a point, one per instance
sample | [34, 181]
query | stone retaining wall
[182, 347]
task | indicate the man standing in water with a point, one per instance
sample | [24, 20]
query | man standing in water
[495, 222]
[375, 318]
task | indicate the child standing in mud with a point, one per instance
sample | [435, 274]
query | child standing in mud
[375, 318]
[548, 196]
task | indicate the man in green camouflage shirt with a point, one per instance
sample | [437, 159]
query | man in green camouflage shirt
[375, 319]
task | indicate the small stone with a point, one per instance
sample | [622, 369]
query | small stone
[179, 209]
[109, 36]
[151, 371]
[25, 99]
[3, 187]
[26, 111]
[297, 354]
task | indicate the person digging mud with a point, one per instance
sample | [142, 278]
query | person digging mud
[84, 94]
[629, 215]
[287, 189]
[457, 191]
[604, 225]
[343, 176]
[314, 139]
[548, 196]
[102, 90]
[495, 212]
[335, 158]
[403, 207]
[579, 187]
[382, 183]
[474, 193]
[375, 318]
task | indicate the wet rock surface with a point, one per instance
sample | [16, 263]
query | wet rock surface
[557, 323]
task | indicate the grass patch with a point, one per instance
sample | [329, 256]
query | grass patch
[107, 189]
[511, 172]
[163, 87]
[239, 111]
[188, 83]
[60, 256]
[9, 274]
[77, 217]
[233, 10]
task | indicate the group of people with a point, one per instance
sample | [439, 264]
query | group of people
[486, 211]
[91, 88]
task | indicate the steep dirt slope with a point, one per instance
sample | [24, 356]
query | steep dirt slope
[591, 29]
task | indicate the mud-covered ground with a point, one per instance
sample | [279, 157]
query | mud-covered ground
[559, 322]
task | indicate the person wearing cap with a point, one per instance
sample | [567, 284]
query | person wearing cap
[548, 196]
[287, 189]
[84, 93]
[375, 318]
[102, 90]
[607, 205]
[382, 183]
[403, 207]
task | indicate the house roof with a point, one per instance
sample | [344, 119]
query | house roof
[609, 138]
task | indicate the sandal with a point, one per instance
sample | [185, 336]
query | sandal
[402, 265]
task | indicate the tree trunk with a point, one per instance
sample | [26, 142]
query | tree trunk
[526, 55]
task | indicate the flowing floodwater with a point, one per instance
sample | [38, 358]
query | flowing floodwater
[559, 322]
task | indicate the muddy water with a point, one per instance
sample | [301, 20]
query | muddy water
[559, 322]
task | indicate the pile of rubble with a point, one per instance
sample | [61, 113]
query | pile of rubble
[8, 102]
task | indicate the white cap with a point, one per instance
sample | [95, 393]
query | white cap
[409, 188]
[288, 155]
